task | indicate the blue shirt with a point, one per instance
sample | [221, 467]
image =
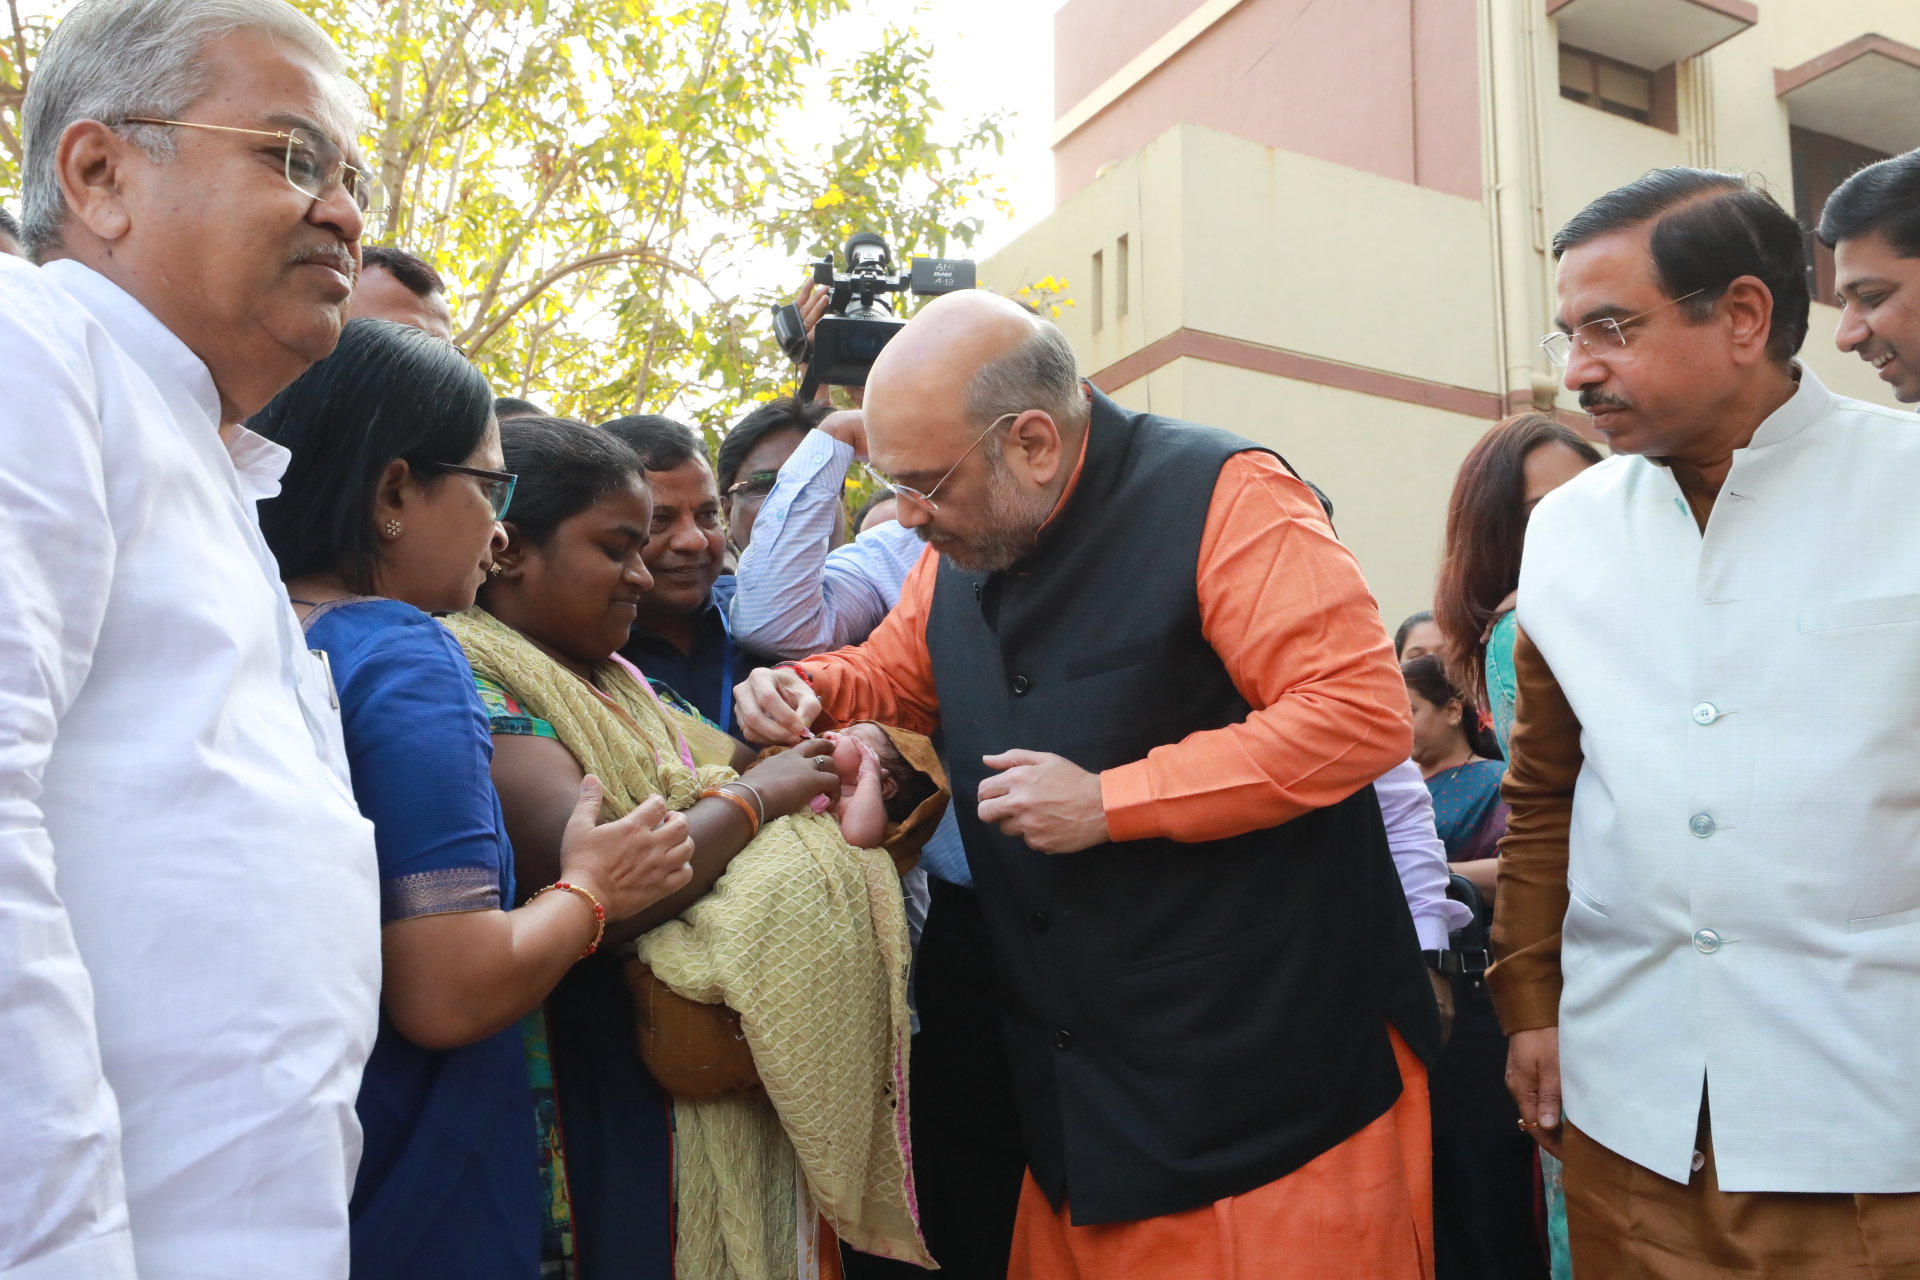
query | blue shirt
[706, 676]
[448, 1181]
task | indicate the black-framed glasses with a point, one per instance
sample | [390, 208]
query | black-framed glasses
[497, 485]
[314, 162]
[1599, 336]
[912, 494]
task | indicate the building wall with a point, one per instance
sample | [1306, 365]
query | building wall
[1343, 81]
[1376, 459]
[1291, 253]
[1272, 247]
[1283, 183]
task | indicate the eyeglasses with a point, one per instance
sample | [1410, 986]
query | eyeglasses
[314, 163]
[1599, 336]
[759, 482]
[912, 494]
[497, 485]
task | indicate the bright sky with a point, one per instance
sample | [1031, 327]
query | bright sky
[990, 55]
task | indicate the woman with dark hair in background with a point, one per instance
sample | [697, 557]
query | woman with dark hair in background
[1517, 463]
[1483, 1176]
[1504, 477]
[1417, 635]
[390, 510]
[1461, 762]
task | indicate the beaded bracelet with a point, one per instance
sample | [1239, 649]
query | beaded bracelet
[599, 912]
[753, 820]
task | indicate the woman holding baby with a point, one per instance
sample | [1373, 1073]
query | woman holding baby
[783, 921]
[499, 1146]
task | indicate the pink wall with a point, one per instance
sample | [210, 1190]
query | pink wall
[1092, 39]
[1388, 86]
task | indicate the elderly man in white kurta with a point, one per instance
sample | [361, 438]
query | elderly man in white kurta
[1708, 919]
[189, 912]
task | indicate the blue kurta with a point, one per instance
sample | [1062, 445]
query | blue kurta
[448, 1183]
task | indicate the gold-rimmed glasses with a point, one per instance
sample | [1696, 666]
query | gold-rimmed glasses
[912, 494]
[1599, 336]
[314, 162]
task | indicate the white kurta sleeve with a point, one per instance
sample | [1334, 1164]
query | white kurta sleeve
[1406, 807]
[60, 1170]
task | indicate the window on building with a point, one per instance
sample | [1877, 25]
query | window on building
[1099, 291]
[1120, 277]
[1615, 87]
[1822, 162]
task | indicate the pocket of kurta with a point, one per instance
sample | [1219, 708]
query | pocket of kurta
[1129, 655]
[1895, 920]
[1579, 894]
[1875, 611]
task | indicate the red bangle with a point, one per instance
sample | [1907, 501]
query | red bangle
[797, 669]
[599, 912]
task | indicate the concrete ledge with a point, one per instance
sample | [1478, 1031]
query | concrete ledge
[1218, 349]
[1866, 91]
[1142, 65]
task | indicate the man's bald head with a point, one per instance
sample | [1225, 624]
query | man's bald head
[976, 406]
[962, 361]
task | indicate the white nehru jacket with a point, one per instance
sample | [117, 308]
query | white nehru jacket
[1745, 854]
[189, 907]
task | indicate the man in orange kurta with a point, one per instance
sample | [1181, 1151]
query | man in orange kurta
[1284, 607]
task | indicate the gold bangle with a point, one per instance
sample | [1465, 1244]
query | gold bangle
[753, 822]
[599, 912]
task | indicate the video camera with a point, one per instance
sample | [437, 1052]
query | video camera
[859, 319]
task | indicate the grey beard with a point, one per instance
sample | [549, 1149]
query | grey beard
[1014, 518]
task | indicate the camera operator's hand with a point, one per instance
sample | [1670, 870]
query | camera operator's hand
[776, 706]
[849, 427]
[811, 302]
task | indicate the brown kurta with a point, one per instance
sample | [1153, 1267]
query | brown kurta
[1543, 763]
[1626, 1222]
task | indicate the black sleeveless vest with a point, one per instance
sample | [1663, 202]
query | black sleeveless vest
[1185, 1022]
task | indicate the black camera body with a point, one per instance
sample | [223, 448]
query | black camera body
[859, 320]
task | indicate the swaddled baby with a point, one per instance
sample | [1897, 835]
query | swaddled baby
[878, 787]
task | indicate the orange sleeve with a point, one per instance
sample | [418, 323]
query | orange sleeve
[888, 677]
[1285, 606]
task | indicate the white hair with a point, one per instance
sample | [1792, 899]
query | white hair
[110, 59]
[1039, 373]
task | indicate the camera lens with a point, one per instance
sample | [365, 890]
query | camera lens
[866, 345]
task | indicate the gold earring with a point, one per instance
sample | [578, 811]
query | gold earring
[494, 570]
[393, 528]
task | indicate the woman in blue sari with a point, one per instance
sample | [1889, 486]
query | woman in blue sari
[1483, 1173]
[388, 512]
[1462, 765]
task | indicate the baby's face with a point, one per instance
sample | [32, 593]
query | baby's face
[846, 758]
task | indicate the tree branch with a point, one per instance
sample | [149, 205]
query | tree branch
[553, 277]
